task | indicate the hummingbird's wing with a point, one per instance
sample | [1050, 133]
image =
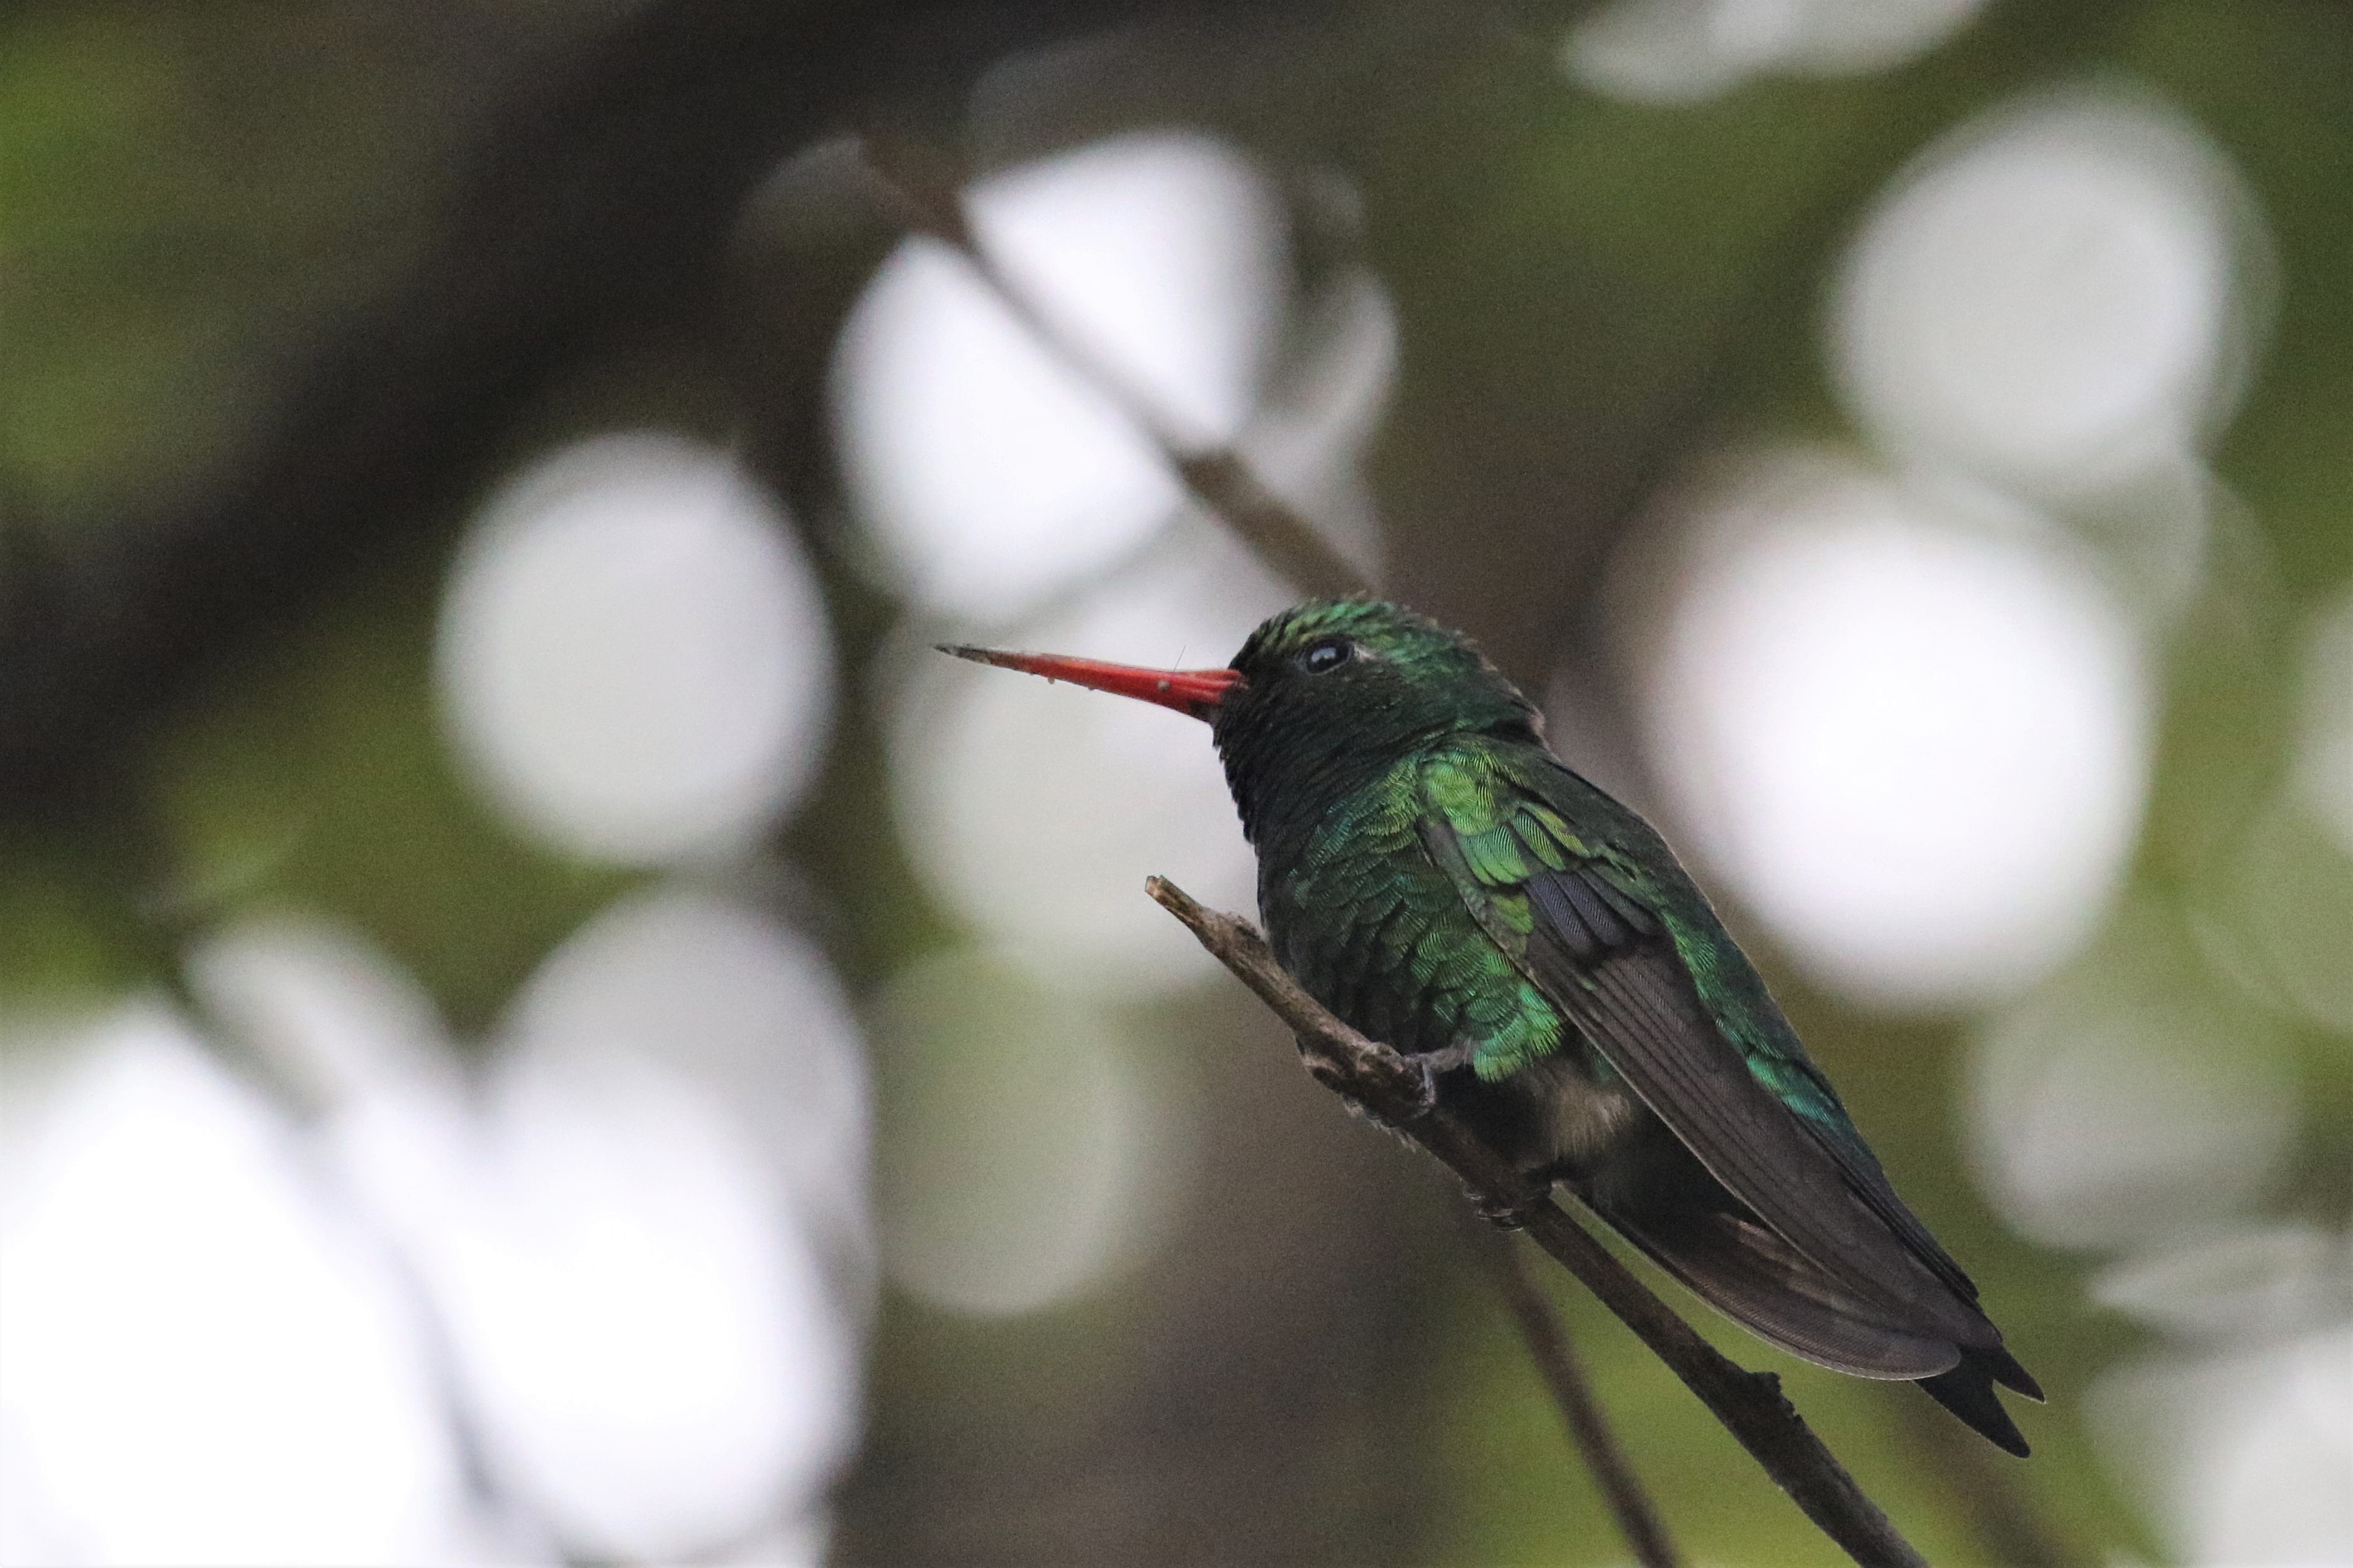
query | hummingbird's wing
[1636, 972]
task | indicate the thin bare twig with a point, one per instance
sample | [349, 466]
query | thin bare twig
[924, 189]
[1749, 1405]
[2009, 1528]
[1555, 1357]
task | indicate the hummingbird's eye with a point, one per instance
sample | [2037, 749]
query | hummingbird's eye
[1327, 653]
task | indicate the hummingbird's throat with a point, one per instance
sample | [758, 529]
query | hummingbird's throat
[1194, 691]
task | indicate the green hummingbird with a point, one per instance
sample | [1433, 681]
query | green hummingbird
[1432, 873]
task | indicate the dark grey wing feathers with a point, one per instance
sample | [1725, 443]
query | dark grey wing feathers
[1585, 919]
[1870, 1185]
[1626, 990]
[1757, 1280]
[1638, 1008]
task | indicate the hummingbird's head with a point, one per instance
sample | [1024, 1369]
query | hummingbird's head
[1366, 672]
[1320, 697]
[1336, 690]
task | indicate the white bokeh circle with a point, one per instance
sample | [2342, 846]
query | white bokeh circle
[202, 1362]
[2124, 1107]
[991, 473]
[1036, 810]
[2240, 1456]
[633, 656]
[642, 1233]
[1914, 742]
[662, 1358]
[708, 986]
[659, 1363]
[2248, 1280]
[1679, 51]
[1015, 1171]
[2048, 296]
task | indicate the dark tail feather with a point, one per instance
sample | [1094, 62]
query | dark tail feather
[1660, 1199]
[1748, 1274]
[1967, 1391]
[1756, 1279]
[2003, 1368]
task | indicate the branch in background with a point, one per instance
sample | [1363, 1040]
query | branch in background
[1749, 1405]
[2009, 1530]
[1555, 1357]
[924, 189]
[595, 205]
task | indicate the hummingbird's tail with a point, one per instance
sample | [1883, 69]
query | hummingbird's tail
[1709, 1241]
[1967, 1391]
[1759, 1281]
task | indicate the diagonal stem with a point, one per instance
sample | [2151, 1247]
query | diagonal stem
[1749, 1405]
[924, 189]
[1564, 1372]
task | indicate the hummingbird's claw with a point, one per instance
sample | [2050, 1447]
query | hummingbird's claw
[1454, 1057]
[1425, 1099]
[1508, 1213]
[1432, 1066]
[1420, 1102]
[1389, 1120]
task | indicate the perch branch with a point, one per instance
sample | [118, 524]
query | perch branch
[1555, 1357]
[1749, 1405]
[923, 189]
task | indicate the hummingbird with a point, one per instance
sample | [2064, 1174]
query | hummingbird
[1431, 872]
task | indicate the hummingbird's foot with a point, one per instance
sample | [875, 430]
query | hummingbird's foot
[1396, 1110]
[1395, 1118]
[1434, 1065]
[1509, 1213]
[1454, 1057]
[1429, 1066]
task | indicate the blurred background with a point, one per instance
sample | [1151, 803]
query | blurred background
[540, 1025]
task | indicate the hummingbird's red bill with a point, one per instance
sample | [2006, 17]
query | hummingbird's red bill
[1194, 691]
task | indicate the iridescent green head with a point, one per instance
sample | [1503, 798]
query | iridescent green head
[1337, 690]
[1376, 671]
[1321, 698]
